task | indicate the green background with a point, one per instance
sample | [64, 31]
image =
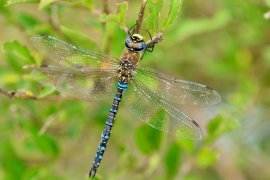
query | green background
[223, 44]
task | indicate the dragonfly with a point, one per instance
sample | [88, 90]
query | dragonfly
[146, 93]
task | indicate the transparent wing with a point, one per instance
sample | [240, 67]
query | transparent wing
[71, 56]
[158, 113]
[175, 90]
[85, 83]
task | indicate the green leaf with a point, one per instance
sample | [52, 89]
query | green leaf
[103, 17]
[111, 37]
[79, 38]
[147, 139]
[153, 163]
[187, 145]
[45, 3]
[174, 9]
[16, 54]
[241, 97]
[267, 2]
[95, 23]
[47, 90]
[26, 20]
[86, 3]
[15, 2]
[5, 11]
[172, 160]
[207, 157]
[13, 166]
[155, 7]
[219, 126]
[46, 145]
[18, 50]
[113, 17]
[11, 78]
[192, 27]
[122, 10]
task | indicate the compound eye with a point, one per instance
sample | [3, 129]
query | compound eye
[139, 47]
[128, 43]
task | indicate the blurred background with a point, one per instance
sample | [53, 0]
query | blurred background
[223, 44]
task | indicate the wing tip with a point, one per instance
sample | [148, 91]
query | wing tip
[217, 95]
[37, 36]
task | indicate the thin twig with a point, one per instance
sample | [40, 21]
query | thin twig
[54, 17]
[46, 125]
[156, 39]
[10, 94]
[106, 7]
[24, 94]
[140, 16]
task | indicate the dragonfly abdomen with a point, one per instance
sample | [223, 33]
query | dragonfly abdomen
[107, 129]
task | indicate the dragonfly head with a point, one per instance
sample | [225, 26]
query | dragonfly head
[135, 43]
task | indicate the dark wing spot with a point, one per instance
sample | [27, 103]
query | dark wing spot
[195, 123]
[43, 35]
[44, 65]
[209, 88]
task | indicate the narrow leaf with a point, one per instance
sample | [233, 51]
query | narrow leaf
[189, 28]
[79, 38]
[17, 55]
[147, 139]
[18, 50]
[47, 90]
[267, 2]
[26, 20]
[15, 2]
[174, 9]
[86, 3]
[172, 160]
[155, 7]
[219, 126]
[207, 157]
[45, 3]
[103, 17]
[122, 10]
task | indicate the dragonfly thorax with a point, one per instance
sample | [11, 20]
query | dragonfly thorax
[125, 71]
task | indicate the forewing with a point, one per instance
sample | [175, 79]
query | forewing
[175, 90]
[158, 113]
[71, 56]
[85, 83]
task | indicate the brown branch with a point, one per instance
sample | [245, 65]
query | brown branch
[156, 39]
[54, 19]
[23, 94]
[106, 7]
[10, 94]
[140, 16]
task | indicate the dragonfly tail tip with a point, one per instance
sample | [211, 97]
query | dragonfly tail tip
[92, 172]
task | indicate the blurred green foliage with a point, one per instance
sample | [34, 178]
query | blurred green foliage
[224, 44]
